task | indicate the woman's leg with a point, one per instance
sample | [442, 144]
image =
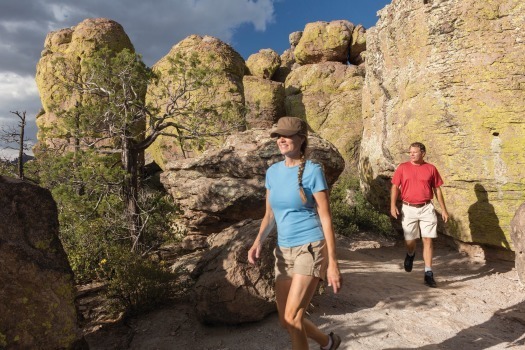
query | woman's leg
[293, 297]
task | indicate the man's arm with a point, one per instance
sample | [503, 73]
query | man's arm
[394, 193]
[441, 200]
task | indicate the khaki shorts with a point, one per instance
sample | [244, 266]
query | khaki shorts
[310, 259]
[418, 222]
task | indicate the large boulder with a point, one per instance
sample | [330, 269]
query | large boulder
[229, 290]
[450, 74]
[517, 234]
[264, 101]
[224, 186]
[324, 41]
[224, 96]
[264, 63]
[37, 294]
[328, 96]
[60, 63]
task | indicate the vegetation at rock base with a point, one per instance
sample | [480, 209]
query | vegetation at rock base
[136, 285]
[352, 213]
[7, 168]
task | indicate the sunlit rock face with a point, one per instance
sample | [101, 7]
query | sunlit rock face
[226, 90]
[264, 100]
[60, 65]
[450, 74]
[324, 41]
[264, 63]
[328, 96]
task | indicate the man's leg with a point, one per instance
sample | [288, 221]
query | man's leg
[410, 224]
[428, 252]
[428, 225]
[427, 257]
[411, 246]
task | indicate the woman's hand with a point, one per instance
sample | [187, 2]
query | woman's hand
[254, 253]
[267, 225]
[333, 277]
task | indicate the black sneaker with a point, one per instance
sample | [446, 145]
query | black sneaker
[429, 279]
[336, 341]
[409, 261]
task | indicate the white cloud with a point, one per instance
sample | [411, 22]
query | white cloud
[18, 93]
[17, 87]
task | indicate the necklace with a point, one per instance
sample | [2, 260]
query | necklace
[292, 163]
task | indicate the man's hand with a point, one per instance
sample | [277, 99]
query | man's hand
[394, 193]
[444, 215]
[394, 212]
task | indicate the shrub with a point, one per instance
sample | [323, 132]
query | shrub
[352, 213]
[135, 283]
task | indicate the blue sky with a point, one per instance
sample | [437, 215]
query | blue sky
[154, 27]
[293, 15]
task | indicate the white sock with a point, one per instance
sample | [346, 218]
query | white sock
[428, 269]
[329, 344]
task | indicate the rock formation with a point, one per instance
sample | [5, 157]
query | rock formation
[324, 41]
[517, 234]
[328, 96]
[225, 186]
[264, 98]
[323, 84]
[60, 62]
[450, 74]
[229, 290]
[37, 294]
[225, 95]
[264, 101]
[264, 63]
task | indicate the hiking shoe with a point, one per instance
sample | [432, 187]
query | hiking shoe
[409, 261]
[336, 341]
[429, 279]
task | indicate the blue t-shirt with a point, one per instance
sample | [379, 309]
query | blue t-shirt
[297, 222]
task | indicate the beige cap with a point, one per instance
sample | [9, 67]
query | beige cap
[289, 126]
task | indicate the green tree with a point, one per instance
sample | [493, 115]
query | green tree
[111, 115]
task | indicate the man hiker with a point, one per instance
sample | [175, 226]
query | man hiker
[418, 182]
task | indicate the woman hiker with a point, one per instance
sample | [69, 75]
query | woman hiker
[297, 201]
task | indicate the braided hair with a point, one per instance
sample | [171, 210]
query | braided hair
[301, 169]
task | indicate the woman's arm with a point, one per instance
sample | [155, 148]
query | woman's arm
[323, 208]
[267, 225]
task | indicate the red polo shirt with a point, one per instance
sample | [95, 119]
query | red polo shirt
[416, 181]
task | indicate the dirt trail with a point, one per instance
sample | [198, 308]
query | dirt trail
[476, 306]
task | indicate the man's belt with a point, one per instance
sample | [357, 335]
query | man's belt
[419, 205]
